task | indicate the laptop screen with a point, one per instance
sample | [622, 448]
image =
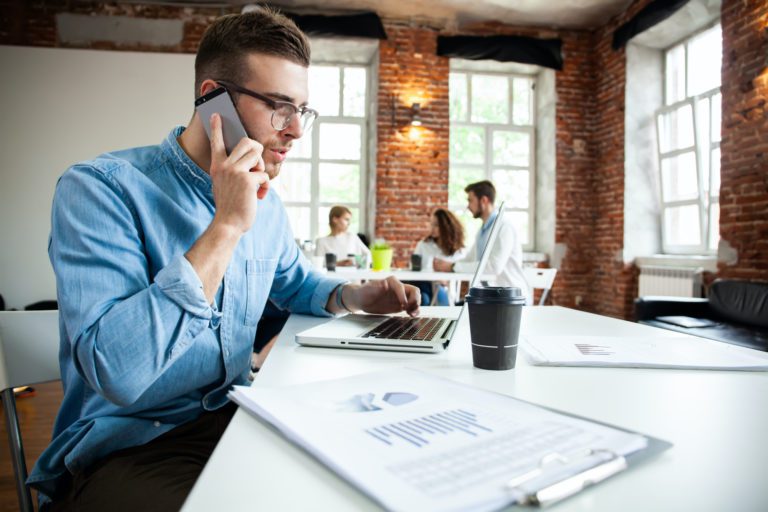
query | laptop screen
[476, 279]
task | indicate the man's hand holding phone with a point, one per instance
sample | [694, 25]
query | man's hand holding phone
[238, 179]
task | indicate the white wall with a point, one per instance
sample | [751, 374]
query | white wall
[60, 106]
[546, 164]
[642, 201]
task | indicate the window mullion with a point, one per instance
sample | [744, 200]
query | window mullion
[702, 201]
[488, 153]
[468, 78]
[315, 182]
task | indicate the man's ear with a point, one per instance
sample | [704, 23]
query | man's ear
[207, 86]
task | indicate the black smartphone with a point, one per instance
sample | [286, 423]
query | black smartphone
[219, 101]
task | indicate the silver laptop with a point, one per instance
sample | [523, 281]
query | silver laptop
[395, 332]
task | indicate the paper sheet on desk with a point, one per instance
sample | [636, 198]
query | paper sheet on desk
[641, 352]
[412, 441]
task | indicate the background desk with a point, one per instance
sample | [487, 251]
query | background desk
[718, 422]
[454, 278]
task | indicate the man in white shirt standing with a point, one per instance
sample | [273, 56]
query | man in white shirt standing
[506, 259]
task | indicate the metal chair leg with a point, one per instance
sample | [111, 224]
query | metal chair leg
[17, 450]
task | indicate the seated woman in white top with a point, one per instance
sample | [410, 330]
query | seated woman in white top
[341, 242]
[445, 241]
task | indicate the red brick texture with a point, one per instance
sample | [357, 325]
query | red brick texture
[744, 145]
[575, 205]
[411, 174]
[411, 162]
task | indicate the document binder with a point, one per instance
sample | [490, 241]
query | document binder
[542, 487]
[536, 488]
[411, 441]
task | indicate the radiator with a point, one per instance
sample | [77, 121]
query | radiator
[670, 281]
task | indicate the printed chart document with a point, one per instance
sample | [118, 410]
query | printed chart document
[642, 352]
[412, 441]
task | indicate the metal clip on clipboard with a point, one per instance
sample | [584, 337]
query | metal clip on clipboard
[550, 483]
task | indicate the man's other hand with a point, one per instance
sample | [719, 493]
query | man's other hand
[383, 296]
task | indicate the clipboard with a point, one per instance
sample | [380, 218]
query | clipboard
[535, 489]
[349, 437]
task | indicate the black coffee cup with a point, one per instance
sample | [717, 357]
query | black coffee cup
[416, 262]
[494, 324]
[330, 261]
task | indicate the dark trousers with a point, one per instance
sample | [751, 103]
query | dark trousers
[156, 476]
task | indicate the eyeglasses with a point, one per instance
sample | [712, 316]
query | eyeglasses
[282, 111]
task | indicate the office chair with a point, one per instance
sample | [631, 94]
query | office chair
[29, 354]
[270, 324]
[540, 279]
[42, 305]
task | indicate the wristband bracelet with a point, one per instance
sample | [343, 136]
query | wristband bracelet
[339, 302]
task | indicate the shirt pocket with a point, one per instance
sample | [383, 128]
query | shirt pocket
[259, 274]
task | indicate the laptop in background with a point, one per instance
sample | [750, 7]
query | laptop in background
[395, 332]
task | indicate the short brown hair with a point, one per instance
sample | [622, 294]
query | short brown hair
[451, 232]
[231, 38]
[482, 189]
[336, 212]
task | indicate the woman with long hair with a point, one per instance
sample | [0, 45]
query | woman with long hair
[445, 241]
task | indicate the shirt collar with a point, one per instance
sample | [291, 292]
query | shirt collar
[182, 164]
[489, 222]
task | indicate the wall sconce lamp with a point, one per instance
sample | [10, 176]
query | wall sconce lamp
[416, 114]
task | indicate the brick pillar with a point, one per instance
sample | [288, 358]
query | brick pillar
[744, 146]
[575, 204]
[412, 162]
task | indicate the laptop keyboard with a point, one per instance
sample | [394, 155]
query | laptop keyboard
[406, 328]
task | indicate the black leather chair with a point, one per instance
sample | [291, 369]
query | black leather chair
[737, 312]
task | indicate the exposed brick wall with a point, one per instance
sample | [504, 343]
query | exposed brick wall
[575, 205]
[744, 146]
[609, 280]
[411, 162]
[613, 284]
[34, 23]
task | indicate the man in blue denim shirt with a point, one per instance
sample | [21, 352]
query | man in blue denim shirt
[164, 258]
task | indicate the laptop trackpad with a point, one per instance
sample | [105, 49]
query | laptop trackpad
[350, 326]
[355, 325]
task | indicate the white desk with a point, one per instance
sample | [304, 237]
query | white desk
[454, 278]
[718, 422]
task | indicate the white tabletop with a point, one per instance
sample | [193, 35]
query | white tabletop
[717, 420]
[402, 274]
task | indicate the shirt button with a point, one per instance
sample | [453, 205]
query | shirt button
[157, 423]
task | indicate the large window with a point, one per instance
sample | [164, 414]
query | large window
[327, 166]
[492, 137]
[688, 128]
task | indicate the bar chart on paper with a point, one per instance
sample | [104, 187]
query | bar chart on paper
[413, 441]
[418, 431]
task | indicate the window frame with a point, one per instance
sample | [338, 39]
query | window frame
[488, 165]
[314, 204]
[703, 142]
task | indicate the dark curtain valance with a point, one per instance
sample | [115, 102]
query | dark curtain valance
[366, 24]
[528, 50]
[653, 13]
